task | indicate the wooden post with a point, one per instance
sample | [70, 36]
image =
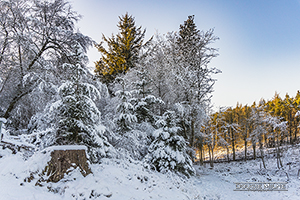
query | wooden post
[2, 121]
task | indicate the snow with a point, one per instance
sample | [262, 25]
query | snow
[66, 147]
[120, 179]
[297, 114]
[157, 132]
[17, 143]
[3, 120]
[55, 105]
[92, 90]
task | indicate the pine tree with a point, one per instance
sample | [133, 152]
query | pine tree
[130, 140]
[187, 40]
[74, 118]
[125, 109]
[123, 50]
[145, 101]
[168, 151]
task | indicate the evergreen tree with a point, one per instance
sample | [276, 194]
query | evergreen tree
[145, 101]
[131, 140]
[123, 50]
[125, 110]
[75, 118]
[168, 151]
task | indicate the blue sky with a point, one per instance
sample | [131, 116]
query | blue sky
[259, 42]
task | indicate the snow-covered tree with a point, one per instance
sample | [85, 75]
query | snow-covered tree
[126, 117]
[259, 130]
[129, 141]
[35, 38]
[158, 67]
[278, 132]
[168, 151]
[193, 82]
[213, 128]
[142, 109]
[145, 103]
[177, 65]
[75, 117]
[2, 121]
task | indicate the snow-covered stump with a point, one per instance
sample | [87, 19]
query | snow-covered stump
[64, 159]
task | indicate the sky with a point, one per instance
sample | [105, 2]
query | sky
[259, 45]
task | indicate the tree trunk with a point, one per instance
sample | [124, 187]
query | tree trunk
[254, 152]
[295, 134]
[245, 139]
[20, 93]
[185, 135]
[233, 144]
[200, 157]
[262, 153]
[14, 101]
[192, 139]
[64, 161]
[227, 152]
[279, 163]
[291, 133]
[211, 156]
[4, 45]
[201, 152]
[233, 150]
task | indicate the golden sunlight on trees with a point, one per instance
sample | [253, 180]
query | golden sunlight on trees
[122, 52]
[268, 124]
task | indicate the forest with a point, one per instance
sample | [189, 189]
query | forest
[145, 100]
[271, 124]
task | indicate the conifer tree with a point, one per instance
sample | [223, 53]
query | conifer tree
[123, 50]
[144, 101]
[130, 140]
[168, 151]
[126, 116]
[74, 118]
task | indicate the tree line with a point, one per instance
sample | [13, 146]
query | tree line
[268, 124]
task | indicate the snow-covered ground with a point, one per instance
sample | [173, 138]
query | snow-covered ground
[115, 179]
[122, 180]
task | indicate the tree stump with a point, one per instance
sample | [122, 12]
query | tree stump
[65, 159]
